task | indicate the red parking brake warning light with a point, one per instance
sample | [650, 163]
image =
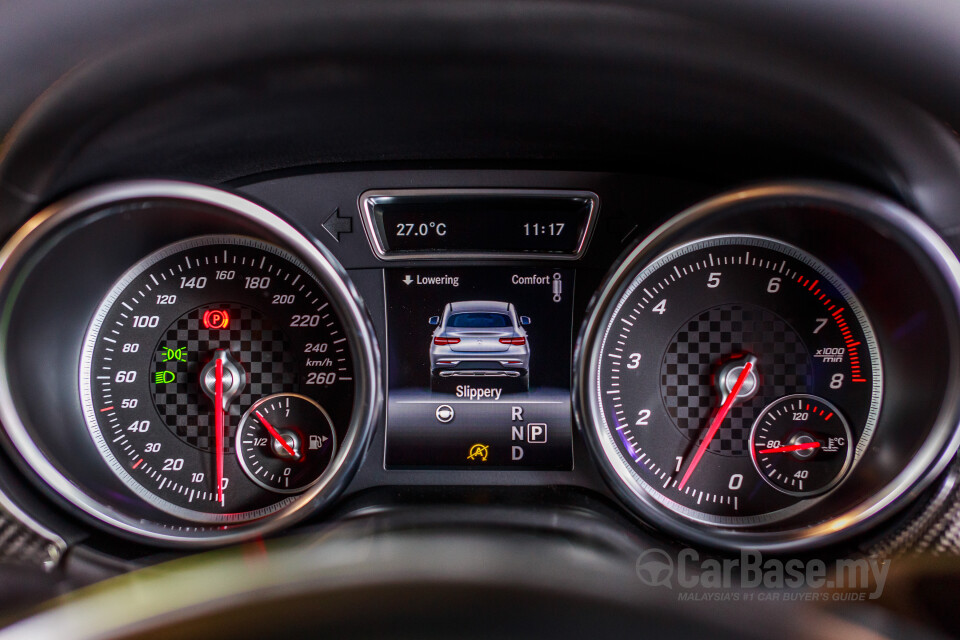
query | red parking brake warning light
[216, 319]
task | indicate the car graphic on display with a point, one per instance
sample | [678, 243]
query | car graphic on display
[479, 339]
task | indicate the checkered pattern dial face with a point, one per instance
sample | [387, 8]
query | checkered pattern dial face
[703, 340]
[184, 345]
[689, 369]
[254, 339]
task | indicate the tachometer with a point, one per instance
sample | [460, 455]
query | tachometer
[713, 342]
[189, 340]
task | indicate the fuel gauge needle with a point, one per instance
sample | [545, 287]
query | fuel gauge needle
[717, 421]
[276, 434]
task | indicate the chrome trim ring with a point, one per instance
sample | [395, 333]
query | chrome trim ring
[853, 453]
[623, 465]
[933, 456]
[251, 473]
[27, 244]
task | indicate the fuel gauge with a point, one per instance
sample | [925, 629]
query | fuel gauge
[285, 442]
[801, 445]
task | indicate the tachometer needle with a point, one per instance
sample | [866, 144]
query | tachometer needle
[717, 421]
[276, 434]
[792, 447]
[218, 424]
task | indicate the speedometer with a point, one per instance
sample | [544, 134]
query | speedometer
[737, 378]
[184, 345]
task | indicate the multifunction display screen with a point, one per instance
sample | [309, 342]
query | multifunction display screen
[477, 224]
[479, 368]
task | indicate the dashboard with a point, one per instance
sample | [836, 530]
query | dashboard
[274, 275]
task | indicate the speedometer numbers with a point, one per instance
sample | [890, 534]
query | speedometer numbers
[191, 340]
[706, 370]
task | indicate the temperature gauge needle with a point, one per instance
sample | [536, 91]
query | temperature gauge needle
[717, 421]
[792, 447]
[218, 424]
[276, 435]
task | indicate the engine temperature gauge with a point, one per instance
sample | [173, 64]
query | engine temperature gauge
[801, 445]
[285, 442]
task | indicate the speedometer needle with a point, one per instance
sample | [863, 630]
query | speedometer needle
[218, 423]
[276, 434]
[717, 421]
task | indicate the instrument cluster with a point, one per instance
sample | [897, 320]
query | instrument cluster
[772, 366]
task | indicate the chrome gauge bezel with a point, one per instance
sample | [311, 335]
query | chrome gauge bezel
[28, 246]
[853, 453]
[917, 474]
[87, 396]
[626, 471]
[251, 472]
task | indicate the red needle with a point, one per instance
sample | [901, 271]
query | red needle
[717, 420]
[275, 434]
[218, 422]
[792, 447]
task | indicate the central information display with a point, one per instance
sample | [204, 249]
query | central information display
[479, 368]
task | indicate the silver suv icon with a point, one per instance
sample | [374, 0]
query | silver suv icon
[479, 339]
